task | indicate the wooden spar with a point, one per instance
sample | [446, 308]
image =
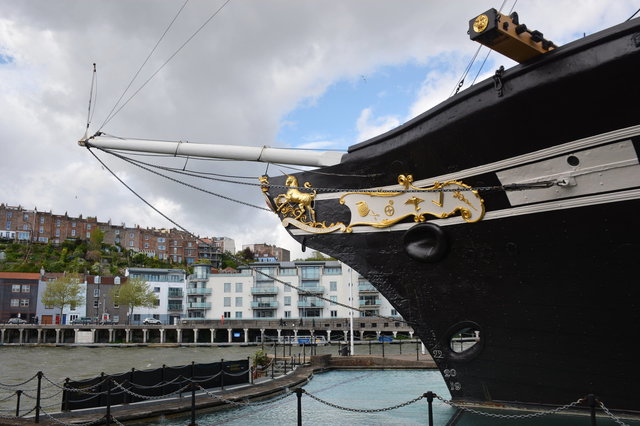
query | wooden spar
[264, 154]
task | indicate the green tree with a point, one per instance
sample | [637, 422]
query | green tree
[63, 291]
[135, 292]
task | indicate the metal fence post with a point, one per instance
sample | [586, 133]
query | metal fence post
[249, 372]
[18, 393]
[400, 347]
[417, 351]
[383, 349]
[591, 400]
[429, 395]
[37, 419]
[108, 415]
[299, 396]
[304, 354]
[193, 403]
[65, 395]
[369, 347]
[221, 373]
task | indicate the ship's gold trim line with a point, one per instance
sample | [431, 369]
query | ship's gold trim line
[380, 209]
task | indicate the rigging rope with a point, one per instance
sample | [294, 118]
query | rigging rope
[213, 15]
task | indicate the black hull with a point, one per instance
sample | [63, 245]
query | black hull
[551, 289]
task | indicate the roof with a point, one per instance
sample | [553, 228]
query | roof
[20, 275]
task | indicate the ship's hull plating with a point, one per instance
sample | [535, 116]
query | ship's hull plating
[547, 278]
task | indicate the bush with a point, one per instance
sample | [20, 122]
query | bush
[260, 358]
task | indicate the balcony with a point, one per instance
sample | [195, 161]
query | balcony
[264, 305]
[367, 288]
[198, 291]
[370, 303]
[193, 277]
[176, 294]
[264, 290]
[311, 304]
[314, 290]
[175, 307]
[199, 305]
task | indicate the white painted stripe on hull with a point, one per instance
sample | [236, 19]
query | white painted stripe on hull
[542, 154]
[517, 211]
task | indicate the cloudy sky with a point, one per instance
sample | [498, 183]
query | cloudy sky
[287, 73]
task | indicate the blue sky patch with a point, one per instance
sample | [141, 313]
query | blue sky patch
[5, 59]
[389, 91]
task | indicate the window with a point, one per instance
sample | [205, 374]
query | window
[9, 215]
[161, 248]
[15, 302]
[89, 227]
[117, 232]
[136, 317]
[96, 292]
[287, 288]
[227, 314]
[156, 289]
[156, 302]
[333, 286]
[161, 240]
[146, 245]
[26, 288]
[24, 302]
[310, 272]
[116, 305]
[8, 226]
[73, 232]
[58, 223]
[130, 243]
[238, 314]
[48, 306]
[332, 270]
[41, 229]
[227, 287]
[72, 306]
[73, 224]
[287, 314]
[16, 288]
[333, 299]
[131, 235]
[334, 314]
[227, 301]
[57, 232]
[88, 235]
[25, 227]
[95, 303]
[116, 280]
[238, 302]
[394, 312]
[287, 301]
[41, 220]
[238, 287]
[25, 216]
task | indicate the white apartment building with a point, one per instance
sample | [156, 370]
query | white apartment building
[169, 286]
[253, 293]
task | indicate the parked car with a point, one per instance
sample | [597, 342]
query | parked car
[107, 322]
[82, 321]
[16, 320]
[151, 321]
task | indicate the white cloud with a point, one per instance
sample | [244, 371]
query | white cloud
[233, 84]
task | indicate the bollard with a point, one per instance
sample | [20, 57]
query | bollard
[249, 379]
[299, 392]
[285, 366]
[304, 354]
[417, 351]
[108, 415]
[369, 347]
[222, 374]
[18, 393]
[383, 349]
[429, 395]
[591, 400]
[65, 395]
[400, 347]
[193, 403]
[37, 419]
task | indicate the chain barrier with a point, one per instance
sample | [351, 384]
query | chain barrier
[246, 403]
[611, 415]
[8, 397]
[150, 397]
[161, 384]
[60, 422]
[510, 416]
[4, 385]
[364, 410]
